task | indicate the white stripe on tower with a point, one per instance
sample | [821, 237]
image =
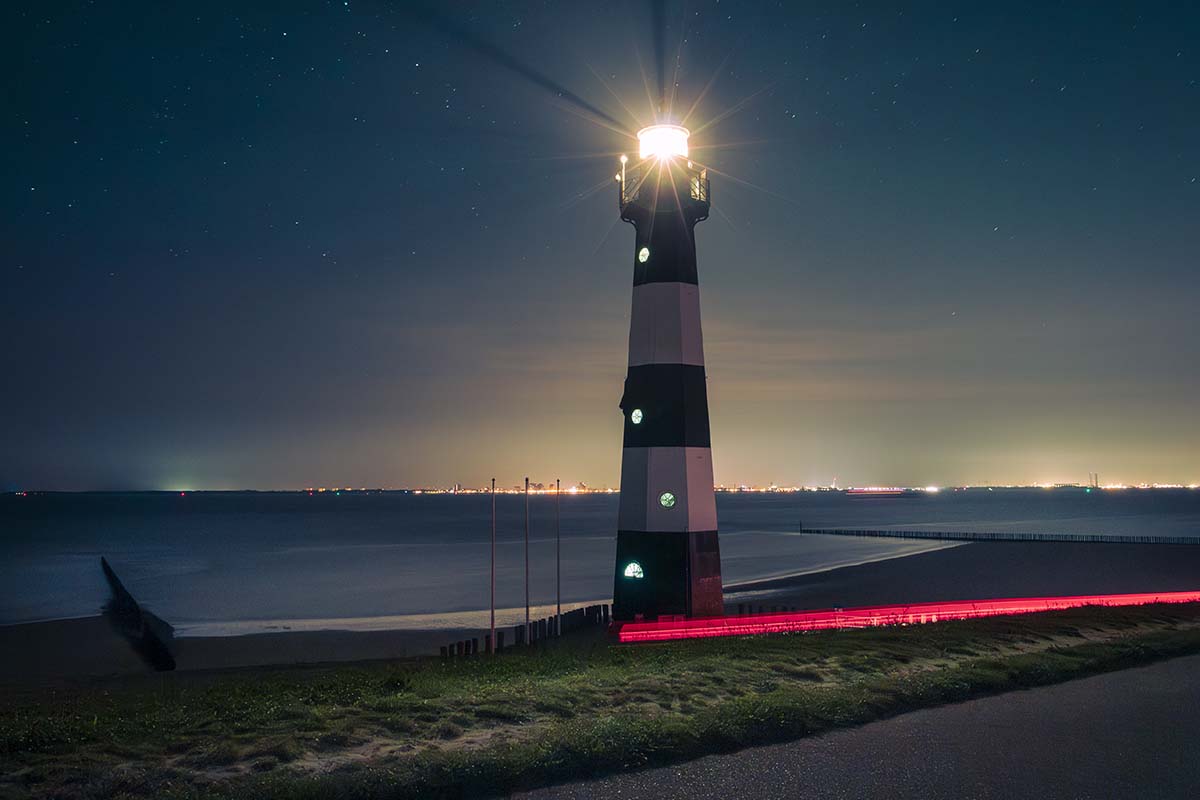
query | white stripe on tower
[664, 327]
[685, 472]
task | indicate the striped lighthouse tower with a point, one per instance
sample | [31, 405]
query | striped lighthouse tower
[668, 559]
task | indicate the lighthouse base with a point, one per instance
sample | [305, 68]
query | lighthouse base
[661, 574]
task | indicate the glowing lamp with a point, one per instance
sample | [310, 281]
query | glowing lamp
[663, 141]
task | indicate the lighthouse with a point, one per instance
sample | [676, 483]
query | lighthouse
[668, 558]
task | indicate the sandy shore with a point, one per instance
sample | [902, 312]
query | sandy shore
[984, 570]
[81, 649]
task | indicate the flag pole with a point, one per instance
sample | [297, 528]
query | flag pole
[492, 639]
[557, 557]
[527, 631]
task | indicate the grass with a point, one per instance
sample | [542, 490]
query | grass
[579, 707]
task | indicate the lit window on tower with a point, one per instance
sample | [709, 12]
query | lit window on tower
[666, 500]
[634, 570]
[635, 416]
[644, 255]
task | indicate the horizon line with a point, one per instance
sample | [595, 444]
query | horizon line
[583, 489]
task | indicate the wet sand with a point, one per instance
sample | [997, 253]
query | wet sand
[87, 648]
[985, 570]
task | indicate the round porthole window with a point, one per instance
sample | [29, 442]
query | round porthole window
[644, 255]
[666, 500]
[635, 416]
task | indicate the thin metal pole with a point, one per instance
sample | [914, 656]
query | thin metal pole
[557, 557]
[527, 629]
[492, 640]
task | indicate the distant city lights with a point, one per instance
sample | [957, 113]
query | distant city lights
[548, 487]
[582, 488]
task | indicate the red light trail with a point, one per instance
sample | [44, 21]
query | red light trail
[877, 616]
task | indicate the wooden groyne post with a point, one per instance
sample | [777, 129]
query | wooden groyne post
[144, 631]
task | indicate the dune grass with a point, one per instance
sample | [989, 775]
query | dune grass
[578, 707]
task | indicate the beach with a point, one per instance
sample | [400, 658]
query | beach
[250, 579]
[987, 569]
[89, 647]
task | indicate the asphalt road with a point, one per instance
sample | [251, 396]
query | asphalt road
[1130, 734]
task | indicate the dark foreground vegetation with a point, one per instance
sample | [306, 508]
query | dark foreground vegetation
[574, 708]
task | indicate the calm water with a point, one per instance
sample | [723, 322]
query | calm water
[228, 563]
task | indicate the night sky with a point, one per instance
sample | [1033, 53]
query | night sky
[314, 244]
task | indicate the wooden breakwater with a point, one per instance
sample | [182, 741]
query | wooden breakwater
[146, 633]
[539, 631]
[1007, 536]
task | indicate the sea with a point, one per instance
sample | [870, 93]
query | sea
[215, 564]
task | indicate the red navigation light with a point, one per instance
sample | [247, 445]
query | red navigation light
[877, 616]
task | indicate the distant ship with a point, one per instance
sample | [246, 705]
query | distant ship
[881, 492]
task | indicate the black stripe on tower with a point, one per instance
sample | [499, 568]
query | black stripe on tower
[683, 574]
[671, 241]
[673, 401]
